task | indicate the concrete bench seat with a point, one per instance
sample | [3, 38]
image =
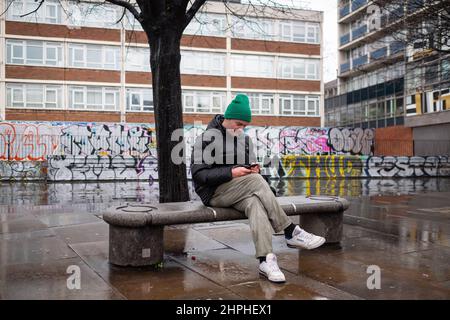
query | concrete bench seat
[136, 230]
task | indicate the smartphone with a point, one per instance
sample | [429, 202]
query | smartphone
[251, 165]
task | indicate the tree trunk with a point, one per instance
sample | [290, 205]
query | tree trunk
[165, 65]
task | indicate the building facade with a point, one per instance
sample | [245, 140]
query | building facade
[72, 61]
[370, 71]
[385, 80]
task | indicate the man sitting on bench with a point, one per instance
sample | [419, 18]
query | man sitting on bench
[227, 179]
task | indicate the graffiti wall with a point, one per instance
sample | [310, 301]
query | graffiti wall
[86, 168]
[21, 141]
[35, 141]
[23, 170]
[341, 166]
[100, 151]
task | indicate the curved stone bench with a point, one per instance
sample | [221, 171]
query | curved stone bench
[136, 229]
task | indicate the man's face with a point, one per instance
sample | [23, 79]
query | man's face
[235, 127]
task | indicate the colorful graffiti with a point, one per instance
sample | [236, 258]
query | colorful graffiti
[23, 170]
[28, 141]
[408, 166]
[87, 168]
[356, 141]
[292, 166]
[95, 151]
[322, 166]
[37, 140]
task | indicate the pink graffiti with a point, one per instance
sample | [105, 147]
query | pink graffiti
[27, 141]
[304, 141]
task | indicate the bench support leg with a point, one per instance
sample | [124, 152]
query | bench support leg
[328, 226]
[136, 246]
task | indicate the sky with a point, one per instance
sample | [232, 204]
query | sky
[330, 41]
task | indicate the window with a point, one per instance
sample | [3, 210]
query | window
[139, 99]
[137, 59]
[445, 69]
[196, 62]
[299, 31]
[85, 14]
[260, 103]
[48, 12]
[252, 66]
[203, 101]
[36, 96]
[253, 28]
[33, 52]
[390, 107]
[302, 69]
[93, 98]
[207, 24]
[94, 56]
[299, 105]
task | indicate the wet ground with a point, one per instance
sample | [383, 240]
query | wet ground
[402, 226]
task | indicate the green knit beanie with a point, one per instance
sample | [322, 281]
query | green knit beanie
[239, 109]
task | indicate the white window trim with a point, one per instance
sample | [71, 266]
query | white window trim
[130, 91]
[292, 62]
[212, 94]
[261, 60]
[11, 87]
[11, 43]
[207, 63]
[256, 110]
[72, 47]
[306, 98]
[87, 89]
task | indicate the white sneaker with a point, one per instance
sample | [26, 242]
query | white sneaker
[270, 269]
[305, 240]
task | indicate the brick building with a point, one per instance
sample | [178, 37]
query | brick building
[72, 62]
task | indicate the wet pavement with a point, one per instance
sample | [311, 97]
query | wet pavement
[402, 226]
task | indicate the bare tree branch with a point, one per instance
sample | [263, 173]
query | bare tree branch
[124, 11]
[192, 11]
[31, 12]
[6, 10]
[128, 6]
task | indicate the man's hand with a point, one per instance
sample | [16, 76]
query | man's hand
[255, 169]
[240, 171]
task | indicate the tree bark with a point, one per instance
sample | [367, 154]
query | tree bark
[165, 60]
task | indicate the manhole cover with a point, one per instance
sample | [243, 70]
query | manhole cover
[136, 208]
[323, 198]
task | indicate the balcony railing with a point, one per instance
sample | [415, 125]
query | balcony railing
[356, 4]
[345, 39]
[344, 11]
[415, 5]
[359, 32]
[396, 46]
[359, 61]
[378, 54]
[345, 67]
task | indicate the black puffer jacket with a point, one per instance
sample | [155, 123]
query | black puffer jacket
[207, 177]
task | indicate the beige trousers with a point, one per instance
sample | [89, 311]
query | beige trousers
[252, 195]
